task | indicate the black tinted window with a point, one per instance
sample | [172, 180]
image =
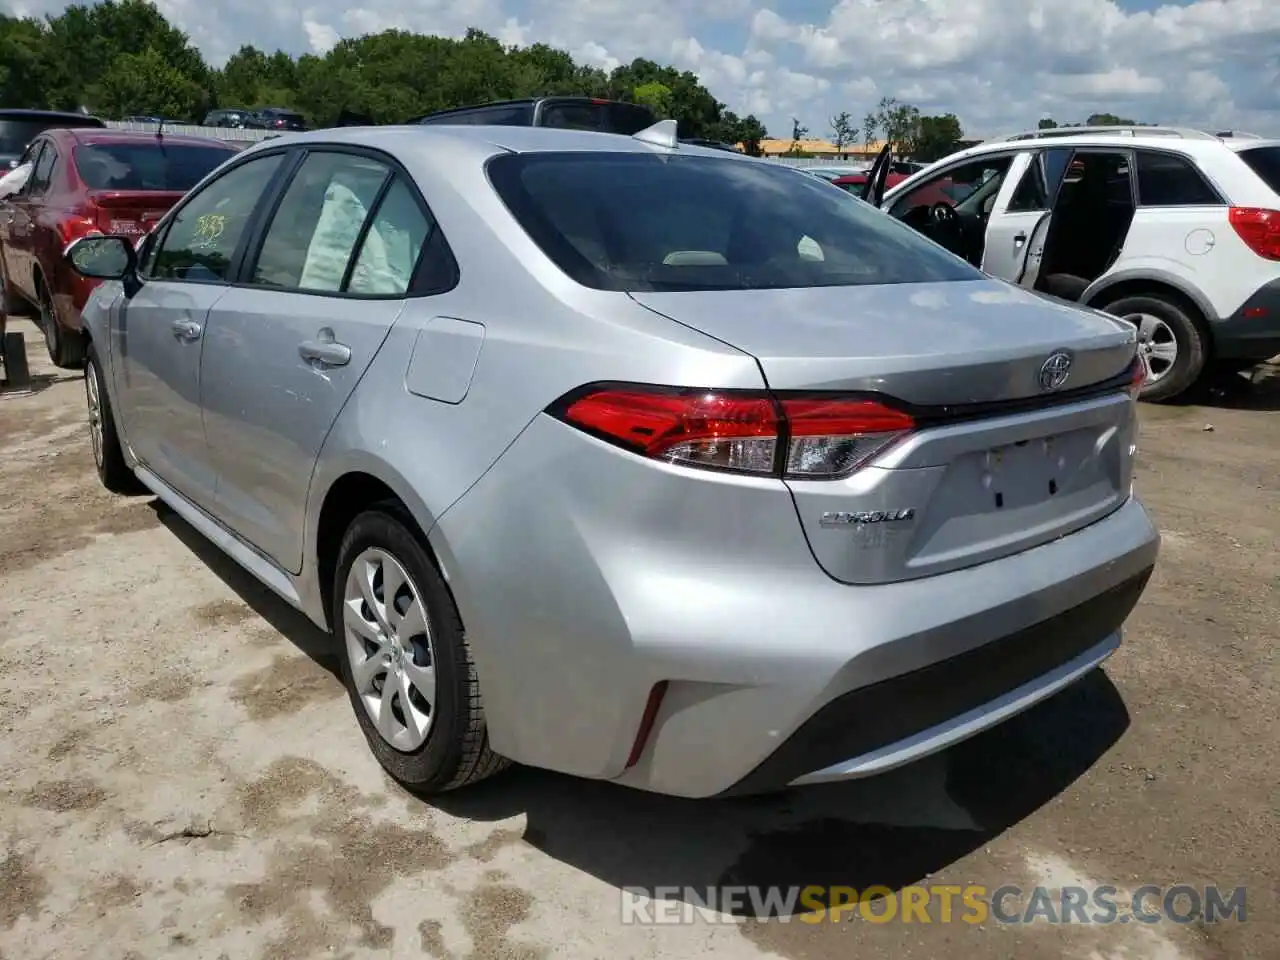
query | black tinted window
[1030, 193]
[202, 238]
[1166, 180]
[1265, 162]
[634, 221]
[147, 166]
[42, 173]
[624, 118]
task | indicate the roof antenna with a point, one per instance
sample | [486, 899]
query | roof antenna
[661, 134]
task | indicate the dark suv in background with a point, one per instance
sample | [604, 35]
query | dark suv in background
[572, 113]
[19, 127]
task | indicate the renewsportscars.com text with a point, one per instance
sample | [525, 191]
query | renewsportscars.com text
[940, 903]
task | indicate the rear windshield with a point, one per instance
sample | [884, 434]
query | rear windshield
[146, 166]
[637, 221]
[624, 118]
[15, 134]
[1265, 162]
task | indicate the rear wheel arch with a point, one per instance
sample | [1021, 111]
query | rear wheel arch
[351, 494]
[1149, 286]
[1183, 314]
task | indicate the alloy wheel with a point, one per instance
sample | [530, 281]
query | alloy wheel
[1157, 345]
[389, 648]
[93, 397]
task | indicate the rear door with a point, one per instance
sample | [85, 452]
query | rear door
[289, 343]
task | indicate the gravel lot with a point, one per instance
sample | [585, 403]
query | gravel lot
[180, 775]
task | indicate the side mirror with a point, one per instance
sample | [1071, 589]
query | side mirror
[102, 257]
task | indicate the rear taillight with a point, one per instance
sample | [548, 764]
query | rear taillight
[811, 438]
[1259, 229]
[74, 226]
[1137, 377]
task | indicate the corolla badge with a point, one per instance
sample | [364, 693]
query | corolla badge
[857, 518]
[1055, 371]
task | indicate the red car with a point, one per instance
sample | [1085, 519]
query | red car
[87, 181]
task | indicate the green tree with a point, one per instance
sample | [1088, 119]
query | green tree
[655, 96]
[22, 53]
[1109, 120]
[937, 137]
[1047, 123]
[799, 132]
[143, 83]
[870, 125]
[900, 123]
[843, 131]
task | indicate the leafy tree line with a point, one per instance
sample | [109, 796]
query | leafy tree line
[122, 57]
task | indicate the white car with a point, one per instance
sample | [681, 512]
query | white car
[1174, 230]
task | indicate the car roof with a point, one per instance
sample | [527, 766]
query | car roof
[444, 138]
[90, 136]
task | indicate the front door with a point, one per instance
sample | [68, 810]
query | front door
[163, 323]
[290, 342]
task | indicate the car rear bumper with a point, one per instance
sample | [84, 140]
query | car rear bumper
[1253, 331]
[584, 580]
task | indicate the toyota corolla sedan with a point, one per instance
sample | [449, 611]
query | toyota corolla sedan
[622, 457]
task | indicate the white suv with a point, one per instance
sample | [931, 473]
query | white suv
[1177, 231]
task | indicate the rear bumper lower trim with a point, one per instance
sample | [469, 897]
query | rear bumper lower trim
[896, 720]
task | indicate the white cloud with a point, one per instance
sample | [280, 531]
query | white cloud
[999, 64]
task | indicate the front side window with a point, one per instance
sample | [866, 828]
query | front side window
[318, 223]
[955, 185]
[201, 241]
[147, 166]
[640, 221]
[1168, 180]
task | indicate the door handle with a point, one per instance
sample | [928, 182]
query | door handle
[186, 329]
[1019, 238]
[325, 353]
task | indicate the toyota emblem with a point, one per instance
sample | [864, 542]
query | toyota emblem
[1055, 371]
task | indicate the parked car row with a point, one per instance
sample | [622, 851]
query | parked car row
[279, 119]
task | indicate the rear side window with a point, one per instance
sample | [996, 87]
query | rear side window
[1265, 162]
[317, 225]
[1031, 193]
[639, 221]
[147, 166]
[1168, 180]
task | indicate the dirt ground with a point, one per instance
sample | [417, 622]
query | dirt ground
[180, 775]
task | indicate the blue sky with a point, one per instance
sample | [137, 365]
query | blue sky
[999, 65]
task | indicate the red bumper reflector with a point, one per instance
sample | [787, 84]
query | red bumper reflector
[646, 722]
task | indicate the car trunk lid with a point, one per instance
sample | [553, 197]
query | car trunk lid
[1006, 453]
[130, 213]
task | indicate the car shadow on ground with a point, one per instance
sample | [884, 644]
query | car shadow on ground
[1258, 389]
[36, 383]
[893, 830]
[289, 622]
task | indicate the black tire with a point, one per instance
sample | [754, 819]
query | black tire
[456, 752]
[113, 471]
[16, 372]
[66, 348]
[1191, 337]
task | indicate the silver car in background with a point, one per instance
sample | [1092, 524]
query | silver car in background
[624, 458]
